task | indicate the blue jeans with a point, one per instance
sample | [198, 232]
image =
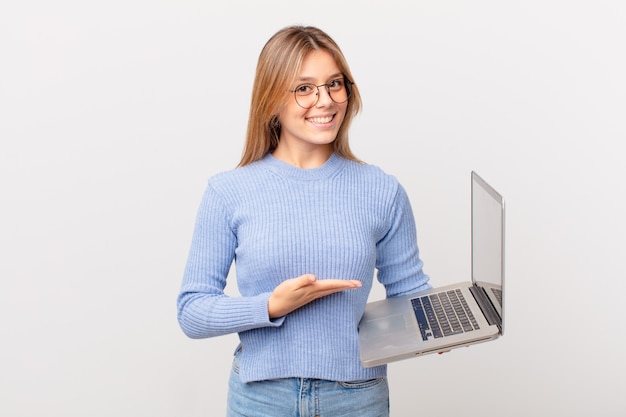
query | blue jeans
[303, 397]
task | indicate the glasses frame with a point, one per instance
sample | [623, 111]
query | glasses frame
[347, 85]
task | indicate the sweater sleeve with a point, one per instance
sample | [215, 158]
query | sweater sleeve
[400, 268]
[204, 310]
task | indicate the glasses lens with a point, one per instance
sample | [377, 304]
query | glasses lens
[338, 90]
[306, 95]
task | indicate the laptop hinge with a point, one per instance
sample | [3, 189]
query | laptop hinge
[492, 316]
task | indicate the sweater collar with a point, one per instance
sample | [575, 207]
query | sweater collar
[327, 170]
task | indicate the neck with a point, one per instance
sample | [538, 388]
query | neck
[305, 159]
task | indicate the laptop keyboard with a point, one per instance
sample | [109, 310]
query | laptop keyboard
[443, 314]
[498, 294]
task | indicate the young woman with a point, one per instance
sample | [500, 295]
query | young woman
[307, 225]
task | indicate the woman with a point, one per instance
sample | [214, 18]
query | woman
[307, 225]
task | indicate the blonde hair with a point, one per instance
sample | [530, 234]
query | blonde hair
[277, 69]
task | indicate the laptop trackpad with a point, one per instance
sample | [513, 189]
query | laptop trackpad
[385, 325]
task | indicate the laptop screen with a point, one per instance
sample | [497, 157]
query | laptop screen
[488, 240]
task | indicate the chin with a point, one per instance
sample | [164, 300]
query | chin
[324, 140]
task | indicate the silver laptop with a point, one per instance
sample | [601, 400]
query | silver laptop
[452, 316]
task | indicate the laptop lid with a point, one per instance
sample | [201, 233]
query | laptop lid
[488, 243]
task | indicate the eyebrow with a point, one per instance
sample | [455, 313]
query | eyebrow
[311, 79]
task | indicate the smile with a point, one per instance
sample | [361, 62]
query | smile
[321, 119]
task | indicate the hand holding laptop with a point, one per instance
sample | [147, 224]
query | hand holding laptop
[297, 292]
[456, 315]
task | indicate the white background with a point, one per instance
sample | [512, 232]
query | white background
[113, 115]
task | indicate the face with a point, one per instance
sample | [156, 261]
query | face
[319, 125]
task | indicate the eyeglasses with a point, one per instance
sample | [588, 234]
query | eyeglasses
[307, 95]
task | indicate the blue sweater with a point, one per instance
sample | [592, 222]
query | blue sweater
[275, 221]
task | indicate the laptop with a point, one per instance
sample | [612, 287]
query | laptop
[452, 316]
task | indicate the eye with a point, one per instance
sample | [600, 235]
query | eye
[336, 84]
[304, 89]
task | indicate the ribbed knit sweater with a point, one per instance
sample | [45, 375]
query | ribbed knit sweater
[343, 220]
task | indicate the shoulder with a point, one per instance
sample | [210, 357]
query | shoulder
[372, 176]
[235, 178]
[228, 188]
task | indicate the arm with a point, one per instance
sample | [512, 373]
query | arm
[203, 308]
[398, 262]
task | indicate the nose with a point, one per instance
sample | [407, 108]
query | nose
[323, 96]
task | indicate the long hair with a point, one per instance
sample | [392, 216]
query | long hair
[277, 69]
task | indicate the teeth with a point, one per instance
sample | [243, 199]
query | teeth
[326, 119]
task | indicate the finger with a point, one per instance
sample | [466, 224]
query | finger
[322, 289]
[307, 279]
[338, 283]
[299, 283]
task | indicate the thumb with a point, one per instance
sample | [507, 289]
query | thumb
[307, 279]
